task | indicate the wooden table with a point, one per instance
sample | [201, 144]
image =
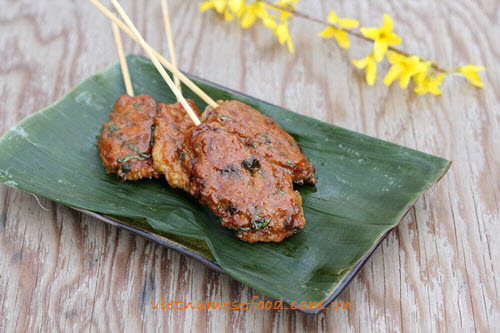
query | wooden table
[439, 270]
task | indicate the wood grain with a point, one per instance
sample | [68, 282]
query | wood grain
[438, 271]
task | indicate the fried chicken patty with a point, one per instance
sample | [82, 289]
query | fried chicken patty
[124, 144]
[265, 137]
[171, 125]
[251, 195]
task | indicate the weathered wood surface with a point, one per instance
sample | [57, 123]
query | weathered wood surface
[439, 270]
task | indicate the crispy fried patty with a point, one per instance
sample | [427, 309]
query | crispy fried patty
[239, 163]
[265, 137]
[124, 144]
[171, 125]
[251, 195]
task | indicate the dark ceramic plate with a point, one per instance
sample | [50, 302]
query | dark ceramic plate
[364, 188]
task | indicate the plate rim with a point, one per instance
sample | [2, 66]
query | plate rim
[172, 245]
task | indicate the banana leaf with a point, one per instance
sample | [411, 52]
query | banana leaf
[364, 188]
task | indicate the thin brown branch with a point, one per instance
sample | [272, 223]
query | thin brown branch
[296, 13]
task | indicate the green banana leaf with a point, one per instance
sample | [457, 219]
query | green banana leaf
[364, 188]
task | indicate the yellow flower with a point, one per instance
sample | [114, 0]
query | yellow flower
[403, 68]
[287, 3]
[383, 37]
[420, 77]
[237, 6]
[281, 29]
[340, 35]
[218, 5]
[345, 23]
[269, 21]
[371, 68]
[224, 7]
[290, 4]
[470, 73]
[284, 35]
[429, 84]
[254, 11]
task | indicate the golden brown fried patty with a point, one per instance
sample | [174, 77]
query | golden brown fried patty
[249, 194]
[124, 143]
[171, 125]
[265, 137]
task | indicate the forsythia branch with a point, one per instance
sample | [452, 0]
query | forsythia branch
[427, 75]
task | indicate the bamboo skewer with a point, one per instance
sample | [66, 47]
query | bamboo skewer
[123, 61]
[190, 84]
[170, 40]
[157, 64]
